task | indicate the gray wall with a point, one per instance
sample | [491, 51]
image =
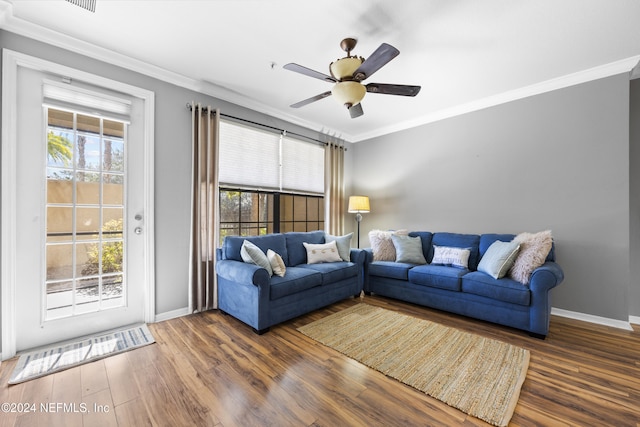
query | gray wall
[556, 161]
[172, 160]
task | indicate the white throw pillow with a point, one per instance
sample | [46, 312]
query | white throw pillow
[252, 254]
[277, 264]
[455, 257]
[324, 252]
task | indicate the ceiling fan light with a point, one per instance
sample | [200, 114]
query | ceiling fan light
[345, 67]
[350, 93]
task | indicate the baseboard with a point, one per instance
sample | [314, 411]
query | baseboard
[634, 320]
[620, 324]
[172, 314]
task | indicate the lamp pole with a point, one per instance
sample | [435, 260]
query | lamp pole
[358, 219]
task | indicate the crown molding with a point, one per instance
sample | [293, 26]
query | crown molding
[21, 27]
[618, 67]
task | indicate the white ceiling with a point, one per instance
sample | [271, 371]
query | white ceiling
[466, 54]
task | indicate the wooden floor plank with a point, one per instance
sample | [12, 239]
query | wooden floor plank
[209, 369]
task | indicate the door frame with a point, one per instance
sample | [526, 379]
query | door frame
[11, 61]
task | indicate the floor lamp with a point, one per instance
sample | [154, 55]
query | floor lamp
[358, 205]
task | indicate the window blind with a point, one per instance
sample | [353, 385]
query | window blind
[302, 166]
[248, 157]
[263, 160]
[74, 98]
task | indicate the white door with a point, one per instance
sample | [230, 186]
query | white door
[80, 225]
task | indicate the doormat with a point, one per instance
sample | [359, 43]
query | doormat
[58, 357]
[480, 376]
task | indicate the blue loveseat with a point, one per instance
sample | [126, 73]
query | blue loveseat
[467, 291]
[247, 291]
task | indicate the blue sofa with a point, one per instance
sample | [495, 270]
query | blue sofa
[467, 291]
[248, 293]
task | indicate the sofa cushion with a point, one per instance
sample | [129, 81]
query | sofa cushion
[297, 254]
[408, 249]
[437, 276]
[505, 289]
[390, 269]
[295, 280]
[334, 271]
[486, 240]
[456, 240]
[233, 244]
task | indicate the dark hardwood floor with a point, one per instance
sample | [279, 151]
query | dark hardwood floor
[211, 370]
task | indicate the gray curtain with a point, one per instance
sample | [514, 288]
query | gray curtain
[204, 207]
[335, 205]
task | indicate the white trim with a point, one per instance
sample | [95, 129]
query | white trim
[634, 320]
[33, 31]
[595, 73]
[620, 324]
[11, 60]
[167, 315]
[27, 29]
[8, 212]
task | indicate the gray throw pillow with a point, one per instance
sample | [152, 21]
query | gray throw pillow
[408, 249]
[343, 243]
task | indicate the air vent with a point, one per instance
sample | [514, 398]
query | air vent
[85, 4]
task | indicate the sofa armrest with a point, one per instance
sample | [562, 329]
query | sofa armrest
[242, 272]
[357, 256]
[546, 277]
[368, 255]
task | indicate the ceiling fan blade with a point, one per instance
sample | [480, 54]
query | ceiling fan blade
[377, 60]
[310, 100]
[356, 110]
[309, 72]
[388, 89]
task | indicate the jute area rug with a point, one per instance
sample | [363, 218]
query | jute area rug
[480, 376]
[55, 358]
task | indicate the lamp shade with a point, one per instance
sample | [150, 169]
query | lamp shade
[348, 93]
[358, 204]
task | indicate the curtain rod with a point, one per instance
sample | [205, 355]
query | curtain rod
[286, 132]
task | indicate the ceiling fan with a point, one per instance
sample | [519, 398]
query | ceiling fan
[347, 73]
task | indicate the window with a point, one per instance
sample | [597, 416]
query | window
[85, 204]
[252, 213]
[269, 182]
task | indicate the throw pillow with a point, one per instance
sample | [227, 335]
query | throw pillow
[277, 264]
[454, 257]
[252, 254]
[343, 243]
[382, 245]
[324, 252]
[499, 258]
[534, 248]
[408, 249]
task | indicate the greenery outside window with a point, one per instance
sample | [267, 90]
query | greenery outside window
[253, 213]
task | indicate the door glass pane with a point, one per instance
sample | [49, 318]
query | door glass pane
[85, 214]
